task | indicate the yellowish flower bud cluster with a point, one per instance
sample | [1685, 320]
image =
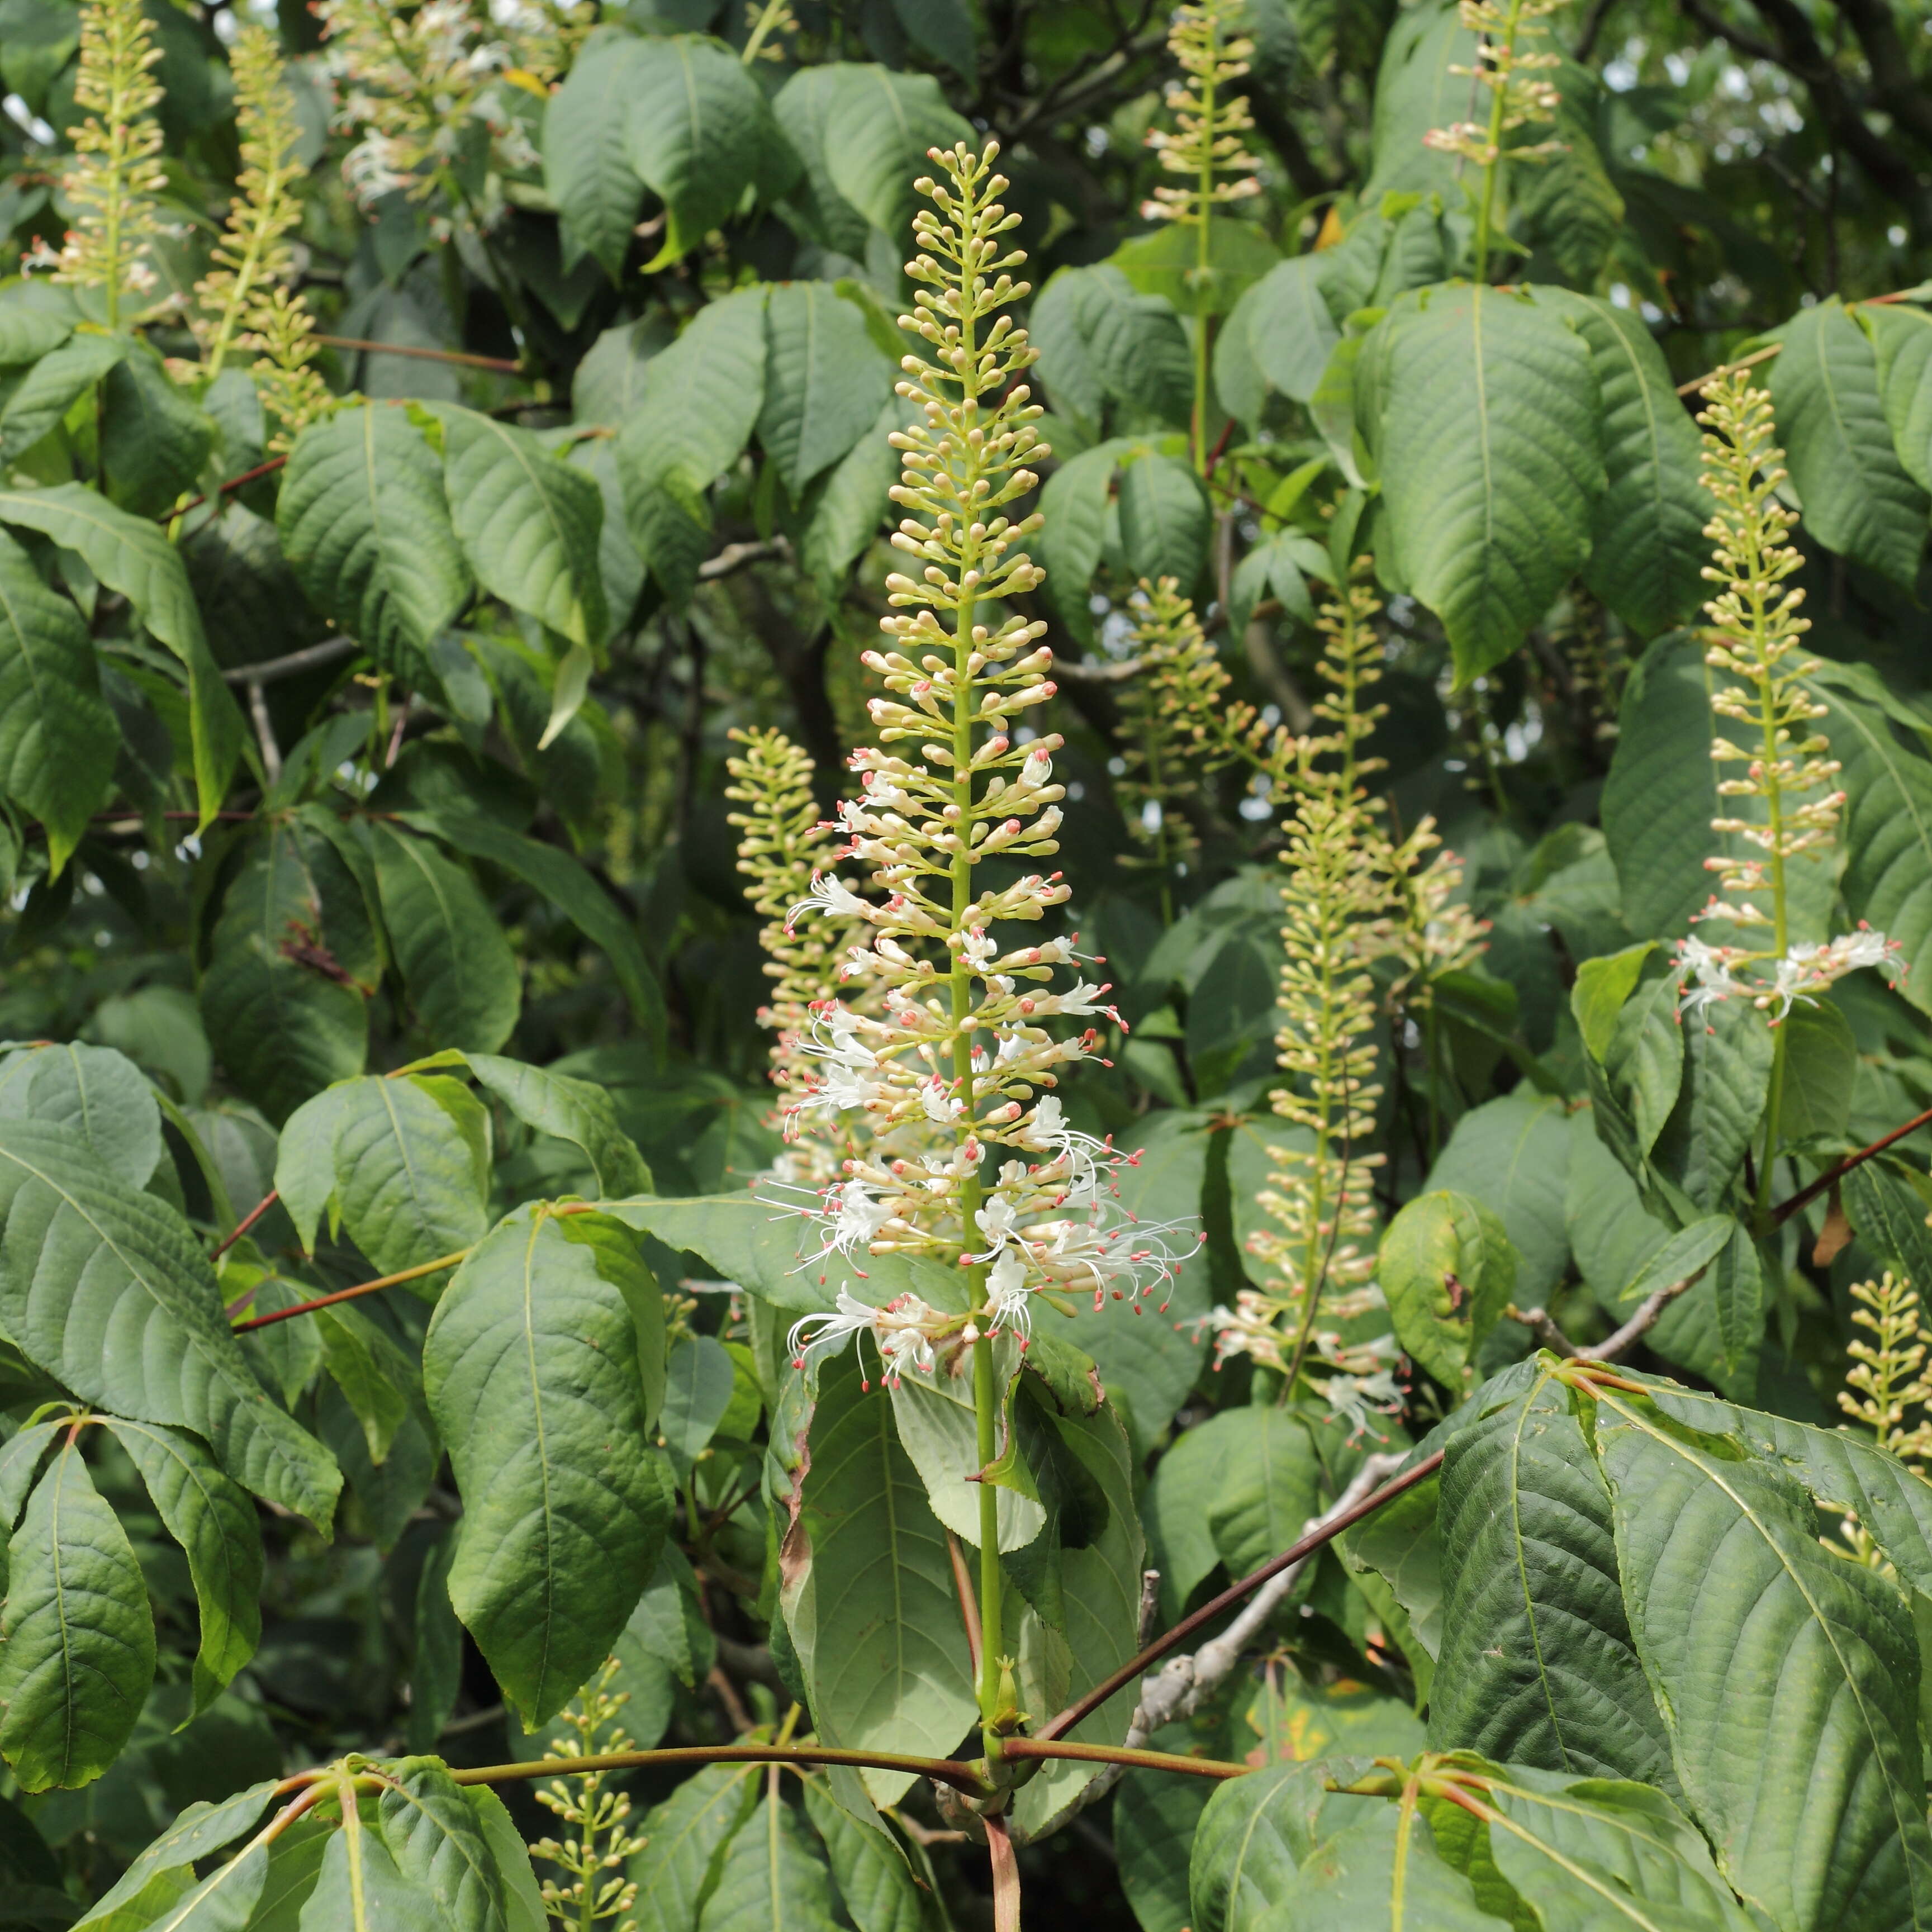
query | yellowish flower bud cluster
[1512, 67]
[1205, 143]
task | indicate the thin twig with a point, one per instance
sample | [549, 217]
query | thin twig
[969, 1604]
[1337, 1521]
[1810, 1191]
[441, 1262]
[247, 1221]
[1542, 1326]
[265, 731]
[501, 364]
[310, 657]
[247, 476]
[948, 1771]
[735, 556]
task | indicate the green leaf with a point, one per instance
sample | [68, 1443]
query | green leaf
[683, 1838]
[1155, 1818]
[26, 334]
[1448, 1271]
[1788, 1677]
[55, 383]
[1291, 329]
[942, 28]
[435, 1666]
[1890, 1219]
[389, 1493]
[774, 1878]
[879, 126]
[565, 884]
[1249, 1847]
[285, 1012]
[852, 503]
[134, 557]
[528, 522]
[874, 1878]
[587, 167]
[457, 967]
[57, 737]
[360, 1889]
[935, 1419]
[1821, 1063]
[1683, 1254]
[403, 1163]
[825, 380]
[163, 1872]
[699, 1381]
[1727, 1075]
[1100, 342]
[1513, 1155]
[350, 1353]
[1647, 541]
[1417, 88]
[1491, 460]
[1857, 496]
[108, 1290]
[1166, 263]
[1603, 985]
[805, 108]
[103, 1096]
[537, 1391]
[155, 442]
[439, 1845]
[1164, 521]
[212, 1519]
[524, 1908]
[1382, 1873]
[1075, 503]
[77, 1638]
[1536, 1666]
[699, 134]
[1902, 342]
[365, 525]
[1269, 1486]
[868, 1591]
[1187, 1481]
[702, 397]
[1645, 1063]
[576, 1111]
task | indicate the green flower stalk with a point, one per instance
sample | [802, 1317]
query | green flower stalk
[945, 1060]
[598, 1841]
[1205, 145]
[113, 180]
[1510, 66]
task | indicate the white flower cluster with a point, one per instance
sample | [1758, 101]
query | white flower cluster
[1710, 975]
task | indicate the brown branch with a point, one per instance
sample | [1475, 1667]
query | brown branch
[267, 469]
[949, 1770]
[1810, 1191]
[1006, 1876]
[350, 1294]
[1540, 1324]
[310, 657]
[969, 1604]
[501, 364]
[1083, 1707]
[247, 1221]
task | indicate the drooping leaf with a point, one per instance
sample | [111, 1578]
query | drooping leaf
[1290, 326]
[153, 439]
[1536, 1666]
[874, 1878]
[880, 125]
[773, 1877]
[852, 502]
[528, 522]
[1491, 459]
[57, 736]
[825, 380]
[1075, 503]
[1857, 498]
[457, 967]
[1166, 263]
[212, 1519]
[1644, 1063]
[1101, 342]
[587, 166]
[1788, 1678]
[530, 1368]
[1821, 1061]
[1248, 1849]
[1727, 1063]
[576, 1111]
[130, 555]
[1417, 89]
[365, 525]
[1269, 1484]
[108, 1290]
[677, 1868]
[162, 1873]
[359, 1888]
[77, 1637]
[359, 1365]
[1164, 521]
[52, 386]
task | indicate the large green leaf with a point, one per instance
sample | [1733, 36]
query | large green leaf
[1513, 1155]
[868, 1591]
[57, 736]
[529, 523]
[1537, 1664]
[457, 967]
[565, 884]
[576, 1111]
[1902, 340]
[530, 1368]
[1382, 1873]
[162, 1873]
[699, 134]
[938, 1427]
[365, 524]
[1074, 504]
[1290, 326]
[874, 1878]
[1248, 1848]
[1448, 1269]
[1647, 543]
[360, 1889]
[1187, 1483]
[1100, 342]
[100, 1094]
[130, 555]
[108, 1290]
[774, 1878]
[285, 1011]
[1164, 521]
[1418, 87]
[438, 1844]
[403, 1163]
[850, 504]
[702, 396]
[826, 380]
[587, 166]
[1727, 1075]
[683, 1838]
[879, 128]
[212, 1519]
[154, 439]
[1268, 1485]
[1644, 1063]
[77, 1638]
[1858, 497]
[1491, 458]
[1156, 1819]
[1788, 1678]
[52, 385]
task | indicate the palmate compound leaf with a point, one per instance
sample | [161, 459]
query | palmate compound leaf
[57, 736]
[1536, 1664]
[107, 1289]
[77, 1636]
[1490, 453]
[531, 1370]
[1787, 1677]
[867, 1587]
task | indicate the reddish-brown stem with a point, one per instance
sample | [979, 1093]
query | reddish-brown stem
[247, 1221]
[441, 1262]
[503, 366]
[1810, 1191]
[267, 469]
[1006, 1876]
[948, 1771]
[1128, 1672]
[969, 1604]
